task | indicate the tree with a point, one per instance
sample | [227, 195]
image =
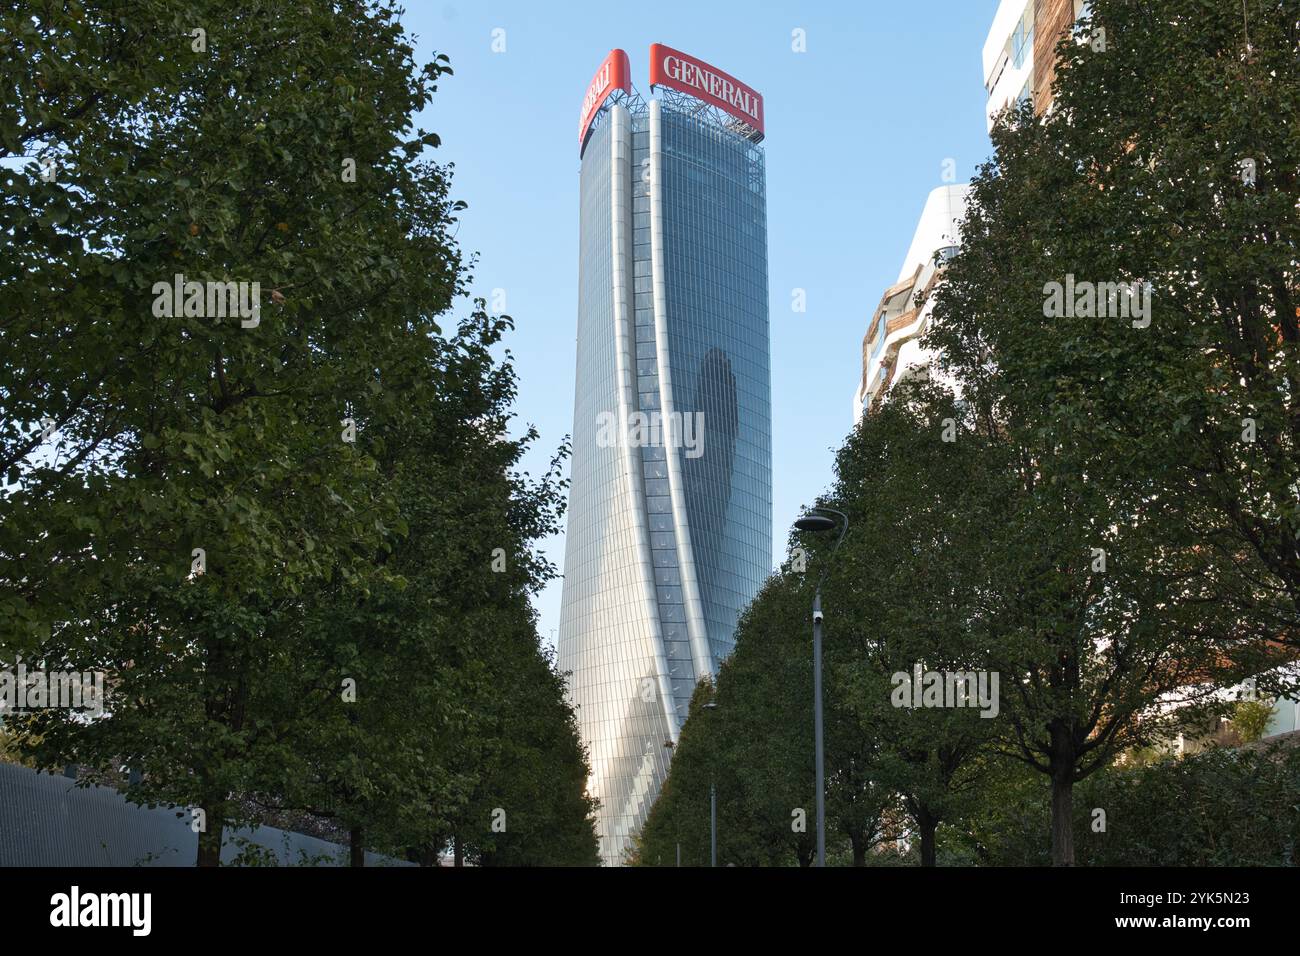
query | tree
[756, 748]
[1122, 588]
[907, 590]
[256, 508]
[529, 806]
[76, 331]
[1184, 178]
[1250, 719]
[388, 676]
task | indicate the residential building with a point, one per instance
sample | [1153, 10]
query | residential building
[892, 349]
[1019, 52]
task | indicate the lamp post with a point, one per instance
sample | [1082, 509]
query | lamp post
[668, 746]
[817, 520]
[713, 807]
[713, 824]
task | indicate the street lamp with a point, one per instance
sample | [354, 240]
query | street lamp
[713, 806]
[817, 519]
[668, 746]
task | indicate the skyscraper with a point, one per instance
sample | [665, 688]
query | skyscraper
[670, 505]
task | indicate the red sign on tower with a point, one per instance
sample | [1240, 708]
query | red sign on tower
[682, 72]
[612, 75]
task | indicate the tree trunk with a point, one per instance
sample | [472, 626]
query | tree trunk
[426, 855]
[358, 848]
[1061, 764]
[927, 823]
[210, 842]
[458, 856]
[1063, 816]
[859, 851]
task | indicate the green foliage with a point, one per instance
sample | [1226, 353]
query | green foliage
[9, 752]
[1220, 807]
[1128, 437]
[755, 747]
[1008, 823]
[1136, 176]
[909, 588]
[1250, 719]
[325, 558]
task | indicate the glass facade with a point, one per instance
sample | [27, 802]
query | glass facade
[1022, 37]
[670, 515]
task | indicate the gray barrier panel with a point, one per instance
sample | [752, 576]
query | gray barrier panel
[46, 820]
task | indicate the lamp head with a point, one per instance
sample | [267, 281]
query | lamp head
[813, 522]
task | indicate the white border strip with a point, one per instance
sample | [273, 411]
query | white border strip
[620, 138]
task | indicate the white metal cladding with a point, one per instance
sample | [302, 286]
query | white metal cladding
[621, 276]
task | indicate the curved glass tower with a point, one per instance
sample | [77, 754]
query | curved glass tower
[670, 517]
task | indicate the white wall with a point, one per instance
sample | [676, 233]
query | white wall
[937, 227]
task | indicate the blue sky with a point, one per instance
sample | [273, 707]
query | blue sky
[858, 129]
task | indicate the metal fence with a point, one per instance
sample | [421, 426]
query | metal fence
[46, 820]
